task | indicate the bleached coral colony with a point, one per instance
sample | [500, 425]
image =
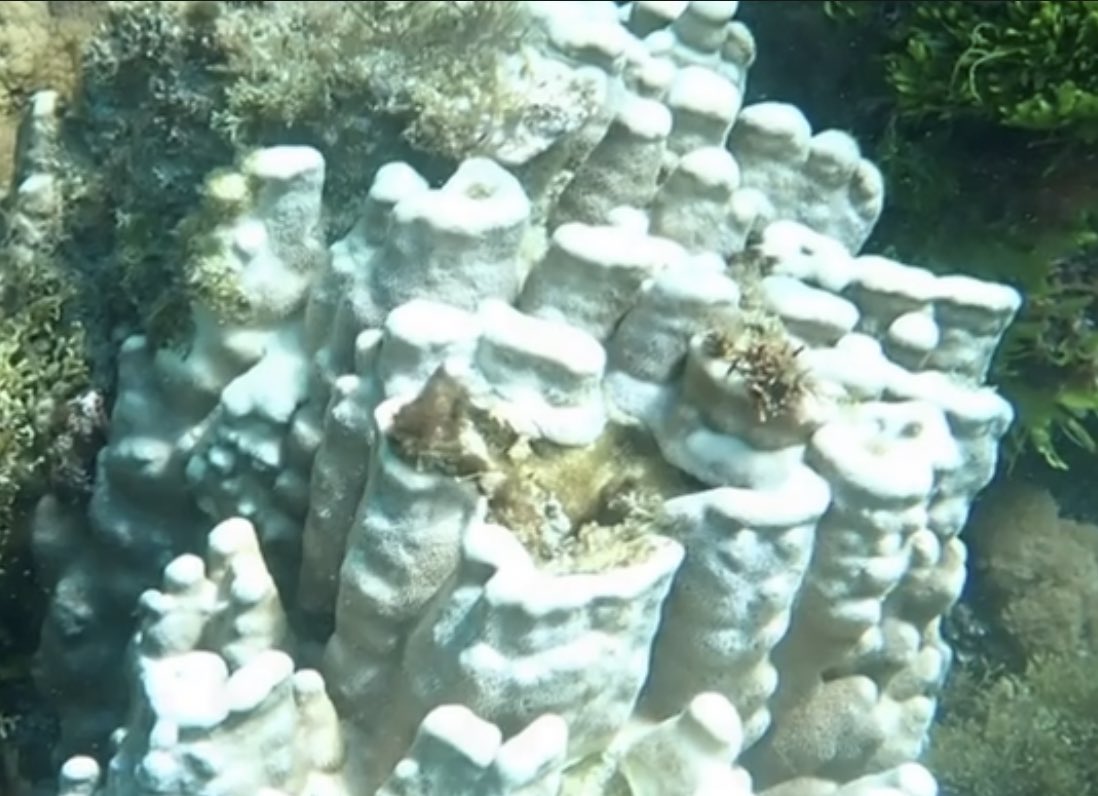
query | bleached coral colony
[609, 466]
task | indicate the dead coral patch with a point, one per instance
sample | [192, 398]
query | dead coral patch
[584, 509]
[441, 430]
[576, 509]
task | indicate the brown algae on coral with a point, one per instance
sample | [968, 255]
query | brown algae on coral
[759, 353]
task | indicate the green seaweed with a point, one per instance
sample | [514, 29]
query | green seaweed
[1027, 65]
[1029, 734]
[43, 364]
[986, 139]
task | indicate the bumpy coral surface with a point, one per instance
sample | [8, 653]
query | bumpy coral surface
[608, 466]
